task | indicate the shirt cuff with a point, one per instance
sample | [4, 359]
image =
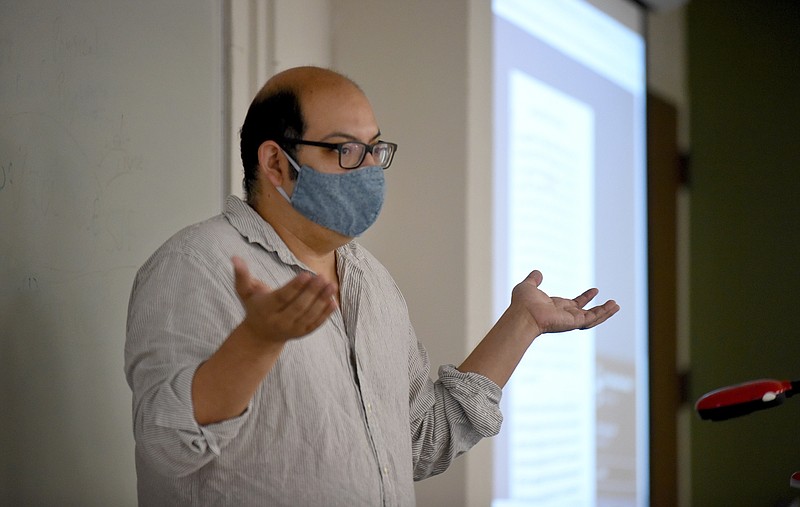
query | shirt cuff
[174, 410]
[477, 395]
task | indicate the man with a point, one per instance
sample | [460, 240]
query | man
[299, 380]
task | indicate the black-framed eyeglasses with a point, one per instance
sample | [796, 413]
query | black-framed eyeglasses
[352, 153]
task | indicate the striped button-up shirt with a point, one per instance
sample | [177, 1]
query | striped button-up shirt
[348, 416]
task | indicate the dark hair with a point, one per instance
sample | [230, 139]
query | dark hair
[270, 117]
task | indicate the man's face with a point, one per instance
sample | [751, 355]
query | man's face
[335, 115]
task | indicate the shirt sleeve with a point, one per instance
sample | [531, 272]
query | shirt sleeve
[448, 416]
[180, 311]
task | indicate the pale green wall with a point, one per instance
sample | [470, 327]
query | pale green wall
[744, 81]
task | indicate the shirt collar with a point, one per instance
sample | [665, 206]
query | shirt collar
[257, 230]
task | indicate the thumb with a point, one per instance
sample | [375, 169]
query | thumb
[244, 283]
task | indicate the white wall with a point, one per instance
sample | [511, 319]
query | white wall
[110, 136]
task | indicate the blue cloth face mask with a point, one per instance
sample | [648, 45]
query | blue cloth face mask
[348, 203]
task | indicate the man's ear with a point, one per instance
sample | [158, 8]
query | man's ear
[272, 164]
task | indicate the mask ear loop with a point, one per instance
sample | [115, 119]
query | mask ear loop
[284, 194]
[297, 168]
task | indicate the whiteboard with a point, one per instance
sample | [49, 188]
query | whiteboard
[110, 140]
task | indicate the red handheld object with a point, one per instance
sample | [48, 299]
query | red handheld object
[742, 399]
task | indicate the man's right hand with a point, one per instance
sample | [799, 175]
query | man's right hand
[291, 311]
[224, 384]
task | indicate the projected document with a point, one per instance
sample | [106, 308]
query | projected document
[551, 204]
[570, 201]
[550, 185]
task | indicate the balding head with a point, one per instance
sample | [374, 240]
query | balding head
[303, 81]
[277, 112]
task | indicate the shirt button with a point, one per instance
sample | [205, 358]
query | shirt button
[385, 470]
[369, 407]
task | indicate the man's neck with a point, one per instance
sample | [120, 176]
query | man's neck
[320, 258]
[313, 245]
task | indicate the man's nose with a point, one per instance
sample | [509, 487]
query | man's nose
[369, 159]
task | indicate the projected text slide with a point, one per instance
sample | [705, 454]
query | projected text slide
[551, 228]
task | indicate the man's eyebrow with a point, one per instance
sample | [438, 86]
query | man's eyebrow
[348, 136]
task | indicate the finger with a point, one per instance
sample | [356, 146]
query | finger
[323, 316]
[286, 295]
[322, 308]
[317, 292]
[584, 298]
[600, 314]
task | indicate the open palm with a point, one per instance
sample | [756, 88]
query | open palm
[555, 314]
[291, 311]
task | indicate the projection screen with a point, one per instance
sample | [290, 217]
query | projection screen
[570, 200]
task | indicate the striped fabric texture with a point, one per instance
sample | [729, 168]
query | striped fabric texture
[347, 417]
